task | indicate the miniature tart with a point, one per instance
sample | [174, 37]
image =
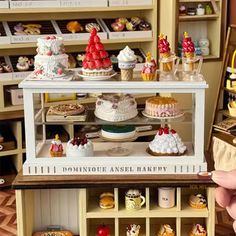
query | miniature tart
[79, 147]
[167, 143]
[56, 148]
[118, 132]
[106, 201]
[166, 230]
[162, 107]
[198, 230]
[133, 230]
[67, 109]
[114, 107]
[197, 201]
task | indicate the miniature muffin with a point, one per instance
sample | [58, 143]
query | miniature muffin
[56, 148]
[106, 201]
[197, 230]
[197, 201]
[166, 230]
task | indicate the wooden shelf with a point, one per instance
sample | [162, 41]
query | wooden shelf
[73, 9]
[198, 18]
[9, 153]
[228, 138]
[188, 1]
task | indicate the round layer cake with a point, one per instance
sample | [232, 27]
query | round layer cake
[79, 147]
[167, 143]
[162, 107]
[114, 107]
[51, 60]
[118, 132]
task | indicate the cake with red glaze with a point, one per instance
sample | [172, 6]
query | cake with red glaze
[96, 61]
[167, 143]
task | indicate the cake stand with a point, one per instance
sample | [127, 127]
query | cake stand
[97, 78]
[119, 150]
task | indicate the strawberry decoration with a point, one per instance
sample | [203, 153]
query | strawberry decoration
[173, 131]
[79, 141]
[161, 130]
[96, 57]
[166, 130]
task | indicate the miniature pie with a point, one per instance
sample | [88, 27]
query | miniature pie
[106, 200]
[197, 201]
[66, 109]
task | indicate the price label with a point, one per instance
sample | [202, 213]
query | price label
[23, 38]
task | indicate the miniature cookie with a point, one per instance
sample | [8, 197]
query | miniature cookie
[74, 27]
[197, 201]
[117, 27]
[90, 26]
[23, 64]
[130, 26]
[136, 20]
[106, 201]
[122, 20]
[144, 25]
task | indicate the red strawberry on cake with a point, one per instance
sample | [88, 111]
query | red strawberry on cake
[96, 61]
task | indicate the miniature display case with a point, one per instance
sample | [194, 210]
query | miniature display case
[38, 161]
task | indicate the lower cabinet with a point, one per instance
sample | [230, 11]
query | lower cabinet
[78, 210]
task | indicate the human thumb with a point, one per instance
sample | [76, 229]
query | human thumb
[226, 179]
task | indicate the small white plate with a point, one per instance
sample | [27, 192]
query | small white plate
[96, 78]
[163, 118]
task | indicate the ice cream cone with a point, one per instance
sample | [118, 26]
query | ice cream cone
[126, 74]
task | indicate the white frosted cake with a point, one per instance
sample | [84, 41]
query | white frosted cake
[79, 147]
[116, 132]
[114, 107]
[51, 60]
[167, 143]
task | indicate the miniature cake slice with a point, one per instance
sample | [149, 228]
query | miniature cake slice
[51, 60]
[167, 143]
[162, 107]
[114, 107]
[79, 147]
[166, 230]
[118, 132]
[198, 230]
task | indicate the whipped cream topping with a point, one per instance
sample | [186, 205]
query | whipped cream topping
[127, 55]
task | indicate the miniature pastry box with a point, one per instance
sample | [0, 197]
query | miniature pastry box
[28, 31]
[122, 28]
[4, 38]
[84, 3]
[34, 3]
[79, 29]
[116, 3]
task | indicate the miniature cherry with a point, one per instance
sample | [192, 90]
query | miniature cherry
[103, 230]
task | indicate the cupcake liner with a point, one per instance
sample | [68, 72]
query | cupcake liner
[126, 74]
[56, 154]
[148, 77]
[126, 65]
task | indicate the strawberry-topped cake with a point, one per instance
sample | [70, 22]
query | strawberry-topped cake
[96, 61]
[167, 143]
[79, 147]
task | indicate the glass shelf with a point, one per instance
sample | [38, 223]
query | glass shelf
[91, 119]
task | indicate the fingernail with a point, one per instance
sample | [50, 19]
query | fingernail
[218, 174]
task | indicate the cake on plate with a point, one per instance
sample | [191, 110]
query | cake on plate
[166, 230]
[167, 143]
[118, 132]
[162, 107]
[51, 60]
[67, 109]
[115, 107]
[197, 201]
[96, 60]
[79, 147]
[197, 230]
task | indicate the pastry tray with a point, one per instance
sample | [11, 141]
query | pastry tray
[60, 26]
[46, 29]
[123, 34]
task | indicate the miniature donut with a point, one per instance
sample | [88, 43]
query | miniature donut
[74, 27]
[32, 31]
[90, 26]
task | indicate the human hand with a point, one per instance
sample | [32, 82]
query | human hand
[226, 192]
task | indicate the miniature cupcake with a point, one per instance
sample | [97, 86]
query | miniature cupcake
[166, 230]
[198, 230]
[133, 230]
[56, 149]
[127, 62]
[197, 201]
[149, 69]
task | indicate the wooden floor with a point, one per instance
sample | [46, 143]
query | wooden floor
[8, 217]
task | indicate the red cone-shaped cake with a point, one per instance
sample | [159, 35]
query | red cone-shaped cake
[96, 61]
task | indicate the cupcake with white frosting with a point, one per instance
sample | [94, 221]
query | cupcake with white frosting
[126, 62]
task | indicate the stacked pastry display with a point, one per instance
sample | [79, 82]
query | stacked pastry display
[96, 61]
[115, 107]
[51, 61]
[167, 143]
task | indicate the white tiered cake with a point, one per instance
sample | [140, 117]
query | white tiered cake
[51, 60]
